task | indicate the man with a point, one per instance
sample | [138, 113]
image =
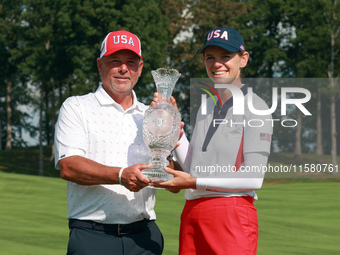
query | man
[100, 152]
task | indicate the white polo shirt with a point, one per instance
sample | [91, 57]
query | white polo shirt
[223, 152]
[94, 126]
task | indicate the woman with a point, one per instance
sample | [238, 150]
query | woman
[223, 163]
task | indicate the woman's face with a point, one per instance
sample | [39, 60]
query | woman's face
[223, 66]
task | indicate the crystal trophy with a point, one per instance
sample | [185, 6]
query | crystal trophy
[161, 125]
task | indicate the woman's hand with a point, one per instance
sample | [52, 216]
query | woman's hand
[157, 99]
[181, 132]
[181, 180]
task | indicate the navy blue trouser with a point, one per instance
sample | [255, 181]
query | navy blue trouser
[93, 242]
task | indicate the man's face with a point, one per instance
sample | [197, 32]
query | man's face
[222, 65]
[120, 71]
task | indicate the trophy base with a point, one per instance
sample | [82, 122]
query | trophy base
[157, 175]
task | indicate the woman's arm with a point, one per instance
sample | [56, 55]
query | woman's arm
[249, 177]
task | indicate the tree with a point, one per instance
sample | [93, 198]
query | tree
[332, 17]
[266, 31]
[310, 56]
[12, 77]
[266, 35]
[10, 23]
[62, 40]
[301, 51]
[191, 20]
[39, 40]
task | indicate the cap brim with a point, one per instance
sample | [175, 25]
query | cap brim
[222, 45]
[121, 48]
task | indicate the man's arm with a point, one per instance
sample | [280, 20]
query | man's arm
[84, 171]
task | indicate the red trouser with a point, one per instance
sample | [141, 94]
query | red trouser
[220, 225]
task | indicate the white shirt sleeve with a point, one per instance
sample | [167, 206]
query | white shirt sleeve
[70, 132]
[249, 177]
[183, 153]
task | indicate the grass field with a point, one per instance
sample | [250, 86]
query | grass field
[294, 218]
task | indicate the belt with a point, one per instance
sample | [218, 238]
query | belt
[119, 229]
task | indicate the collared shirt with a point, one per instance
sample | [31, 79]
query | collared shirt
[219, 154]
[94, 126]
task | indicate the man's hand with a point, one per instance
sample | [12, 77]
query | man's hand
[133, 179]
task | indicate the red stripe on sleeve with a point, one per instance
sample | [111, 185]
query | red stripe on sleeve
[240, 156]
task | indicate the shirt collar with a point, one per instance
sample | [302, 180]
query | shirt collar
[104, 99]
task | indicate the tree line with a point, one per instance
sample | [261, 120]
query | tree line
[48, 52]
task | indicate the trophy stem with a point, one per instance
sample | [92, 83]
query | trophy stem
[158, 161]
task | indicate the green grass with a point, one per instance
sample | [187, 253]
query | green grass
[168, 209]
[294, 218]
[32, 215]
[299, 218]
